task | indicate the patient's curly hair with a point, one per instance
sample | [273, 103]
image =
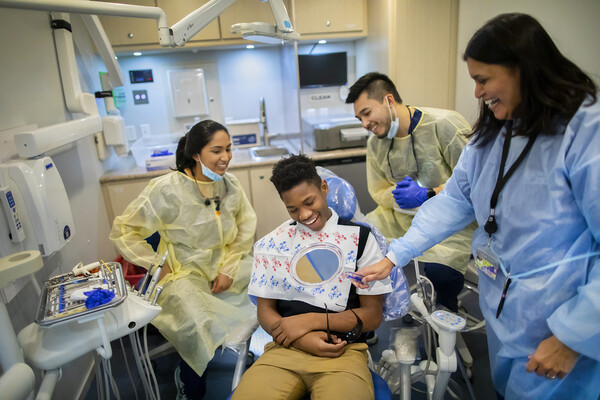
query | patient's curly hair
[292, 171]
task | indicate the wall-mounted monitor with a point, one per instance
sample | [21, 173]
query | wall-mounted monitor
[323, 69]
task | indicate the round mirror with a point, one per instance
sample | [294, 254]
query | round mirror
[316, 264]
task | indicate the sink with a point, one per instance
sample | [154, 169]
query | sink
[267, 151]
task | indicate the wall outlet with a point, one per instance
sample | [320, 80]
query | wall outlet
[145, 129]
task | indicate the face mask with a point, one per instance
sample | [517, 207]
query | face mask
[394, 124]
[210, 174]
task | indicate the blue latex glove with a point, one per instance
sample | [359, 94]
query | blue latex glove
[97, 297]
[408, 193]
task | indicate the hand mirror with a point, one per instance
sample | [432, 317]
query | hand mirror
[318, 263]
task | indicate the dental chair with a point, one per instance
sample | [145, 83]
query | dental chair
[342, 199]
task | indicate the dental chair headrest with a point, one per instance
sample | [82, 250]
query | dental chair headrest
[341, 197]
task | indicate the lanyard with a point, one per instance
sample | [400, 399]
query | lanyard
[414, 121]
[491, 226]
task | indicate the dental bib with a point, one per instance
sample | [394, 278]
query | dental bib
[273, 275]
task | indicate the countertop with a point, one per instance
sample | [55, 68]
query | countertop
[241, 159]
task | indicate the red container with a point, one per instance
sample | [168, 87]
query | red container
[131, 272]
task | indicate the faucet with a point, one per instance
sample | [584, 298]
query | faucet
[262, 122]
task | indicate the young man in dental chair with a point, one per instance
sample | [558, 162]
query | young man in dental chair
[317, 318]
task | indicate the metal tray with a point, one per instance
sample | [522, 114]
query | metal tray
[55, 305]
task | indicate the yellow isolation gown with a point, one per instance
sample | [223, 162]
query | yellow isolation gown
[202, 243]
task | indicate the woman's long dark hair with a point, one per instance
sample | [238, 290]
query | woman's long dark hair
[552, 87]
[194, 141]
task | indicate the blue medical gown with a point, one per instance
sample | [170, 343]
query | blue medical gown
[549, 210]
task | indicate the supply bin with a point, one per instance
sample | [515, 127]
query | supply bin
[148, 147]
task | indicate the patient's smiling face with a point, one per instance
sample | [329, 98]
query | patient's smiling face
[307, 204]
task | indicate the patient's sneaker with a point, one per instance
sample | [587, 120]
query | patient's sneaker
[179, 385]
[372, 338]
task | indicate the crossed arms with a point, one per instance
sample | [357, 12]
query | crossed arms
[306, 332]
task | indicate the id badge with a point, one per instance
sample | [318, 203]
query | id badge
[487, 261]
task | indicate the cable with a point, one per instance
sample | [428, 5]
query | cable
[128, 370]
[148, 383]
[111, 379]
[99, 382]
[136, 355]
[150, 369]
[106, 380]
[146, 366]
[465, 376]
[457, 388]
[113, 382]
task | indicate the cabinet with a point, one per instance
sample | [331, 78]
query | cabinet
[330, 16]
[312, 18]
[118, 195]
[267, 204]
[130, 31]
[133, 31]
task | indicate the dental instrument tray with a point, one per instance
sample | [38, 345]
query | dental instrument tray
[61, 300]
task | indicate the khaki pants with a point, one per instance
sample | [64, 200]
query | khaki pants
[287, 373]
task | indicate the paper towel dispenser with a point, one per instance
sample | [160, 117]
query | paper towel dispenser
[37, 214]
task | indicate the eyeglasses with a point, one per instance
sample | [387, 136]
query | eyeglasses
[353, 335]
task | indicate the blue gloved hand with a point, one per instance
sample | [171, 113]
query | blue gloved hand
[408, 193]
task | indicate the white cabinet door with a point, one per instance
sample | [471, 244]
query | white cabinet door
[268, 206]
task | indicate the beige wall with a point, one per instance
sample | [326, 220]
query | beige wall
[414, 43]
[573, 25]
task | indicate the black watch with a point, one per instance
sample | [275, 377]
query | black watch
[430, 193]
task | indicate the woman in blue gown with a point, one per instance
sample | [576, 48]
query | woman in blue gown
[530, 177]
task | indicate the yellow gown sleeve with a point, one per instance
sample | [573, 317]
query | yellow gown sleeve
[130, 229]
[378, 185]
[453, 138]
[244, 240]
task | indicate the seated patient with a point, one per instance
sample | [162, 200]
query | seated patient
[304, 358]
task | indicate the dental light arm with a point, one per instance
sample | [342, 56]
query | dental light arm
[197, 20]
[194, 22]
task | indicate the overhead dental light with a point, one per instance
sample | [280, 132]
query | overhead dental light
[263, 32]
[256, 31]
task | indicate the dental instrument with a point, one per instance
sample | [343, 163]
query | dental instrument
[156, 294]
[155, 277]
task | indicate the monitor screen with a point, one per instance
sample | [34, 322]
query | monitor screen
[323, 70]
